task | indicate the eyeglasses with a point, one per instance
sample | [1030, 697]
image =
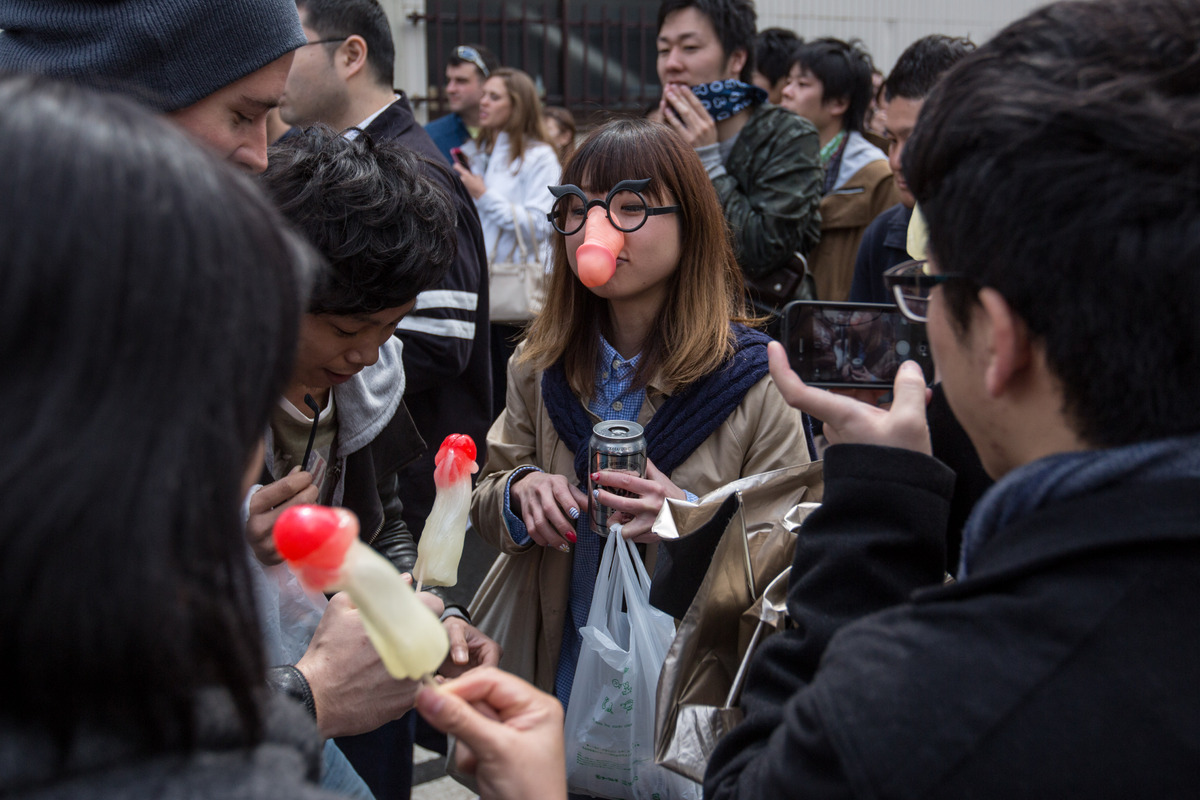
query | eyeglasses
[326, 41]
[910, 284]
[464, 53]
[624, 206]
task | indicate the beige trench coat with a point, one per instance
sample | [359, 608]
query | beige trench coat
[762, 434]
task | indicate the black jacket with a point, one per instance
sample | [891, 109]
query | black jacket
[1065, 666]
[884, 245]
[446, 347]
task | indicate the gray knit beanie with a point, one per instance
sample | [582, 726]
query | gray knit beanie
[171, 53]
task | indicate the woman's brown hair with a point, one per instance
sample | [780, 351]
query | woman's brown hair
[524, 119]
[691, 337]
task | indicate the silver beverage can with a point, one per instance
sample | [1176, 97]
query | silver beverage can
[615, 445]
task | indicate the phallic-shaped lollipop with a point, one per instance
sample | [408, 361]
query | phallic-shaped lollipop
[322, 547]
[596, 258]
[441, 545]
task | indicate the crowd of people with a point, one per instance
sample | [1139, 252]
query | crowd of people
[207, 323]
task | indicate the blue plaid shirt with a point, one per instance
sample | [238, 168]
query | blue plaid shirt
[614, 398]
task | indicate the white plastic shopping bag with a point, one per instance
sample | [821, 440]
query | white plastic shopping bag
[610, 716]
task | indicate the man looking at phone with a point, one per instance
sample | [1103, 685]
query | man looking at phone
[467, 68]
[761, 159]
[884, 243]
[1058, 172]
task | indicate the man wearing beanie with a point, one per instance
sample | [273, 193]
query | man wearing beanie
[214, 68]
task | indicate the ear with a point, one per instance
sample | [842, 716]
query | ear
[1008, 347]
[736, 63]
[351, 57]
[836, 106]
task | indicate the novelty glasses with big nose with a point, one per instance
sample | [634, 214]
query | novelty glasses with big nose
[624, 206]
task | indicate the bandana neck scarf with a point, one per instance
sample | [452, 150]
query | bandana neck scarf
[723, 99]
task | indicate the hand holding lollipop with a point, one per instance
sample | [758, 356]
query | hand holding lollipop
[321, 545]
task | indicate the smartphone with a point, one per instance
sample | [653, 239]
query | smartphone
[458, 155]
[852, 345]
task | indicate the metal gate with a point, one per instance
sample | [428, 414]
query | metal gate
[595, 58]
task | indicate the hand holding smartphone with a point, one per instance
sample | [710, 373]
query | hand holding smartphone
[851, 345]
[458, 155]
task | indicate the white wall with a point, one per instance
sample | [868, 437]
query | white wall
[888, 26]
[410, 48]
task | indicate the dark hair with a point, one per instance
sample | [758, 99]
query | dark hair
[775, 52]
[566, 121]
[337, 18]
[844, 70]
[149, 303]
[386, 229]
[489, 60]
[733, 20]
[691, 335]
[922, 63]
[1058, 165]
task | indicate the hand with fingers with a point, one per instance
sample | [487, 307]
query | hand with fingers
[473, 182]
[636, 501]
[510, 735]
[549, 505]
[469, 648]
[851, 421]
[351, 687]
[682, 111]
[268, 503]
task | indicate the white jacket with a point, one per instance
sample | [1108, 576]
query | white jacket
[516, 194]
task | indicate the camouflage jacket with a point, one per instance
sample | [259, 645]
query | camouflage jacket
[772, 189]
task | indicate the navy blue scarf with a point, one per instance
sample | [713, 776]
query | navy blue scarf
[723, 99]
[684, 420]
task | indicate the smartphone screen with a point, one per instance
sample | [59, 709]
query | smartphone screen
[852, 344]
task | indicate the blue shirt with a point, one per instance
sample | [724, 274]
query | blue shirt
[614, 398]
[446, 132]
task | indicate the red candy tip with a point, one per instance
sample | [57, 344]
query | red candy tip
[302, 529]
[455, 459]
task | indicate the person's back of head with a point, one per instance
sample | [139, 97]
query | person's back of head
[774, 52]
[844, 70]
[386, 229]
[923, 63]
[168, 54]
[149, 302]
[734, 21]
[339, 19]
[1058, 166]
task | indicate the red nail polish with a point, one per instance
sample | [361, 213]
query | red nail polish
[595, 476]
[572, 537]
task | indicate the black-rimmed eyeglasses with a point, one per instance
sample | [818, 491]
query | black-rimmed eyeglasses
[625, 207]
[910, 284]
[464, 53]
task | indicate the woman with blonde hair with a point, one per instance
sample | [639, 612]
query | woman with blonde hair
[662, 342]
[510, 166]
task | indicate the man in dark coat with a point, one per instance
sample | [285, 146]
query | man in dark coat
[1058, 172]
[343, 78]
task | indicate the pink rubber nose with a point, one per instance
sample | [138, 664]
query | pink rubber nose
[597, 256]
